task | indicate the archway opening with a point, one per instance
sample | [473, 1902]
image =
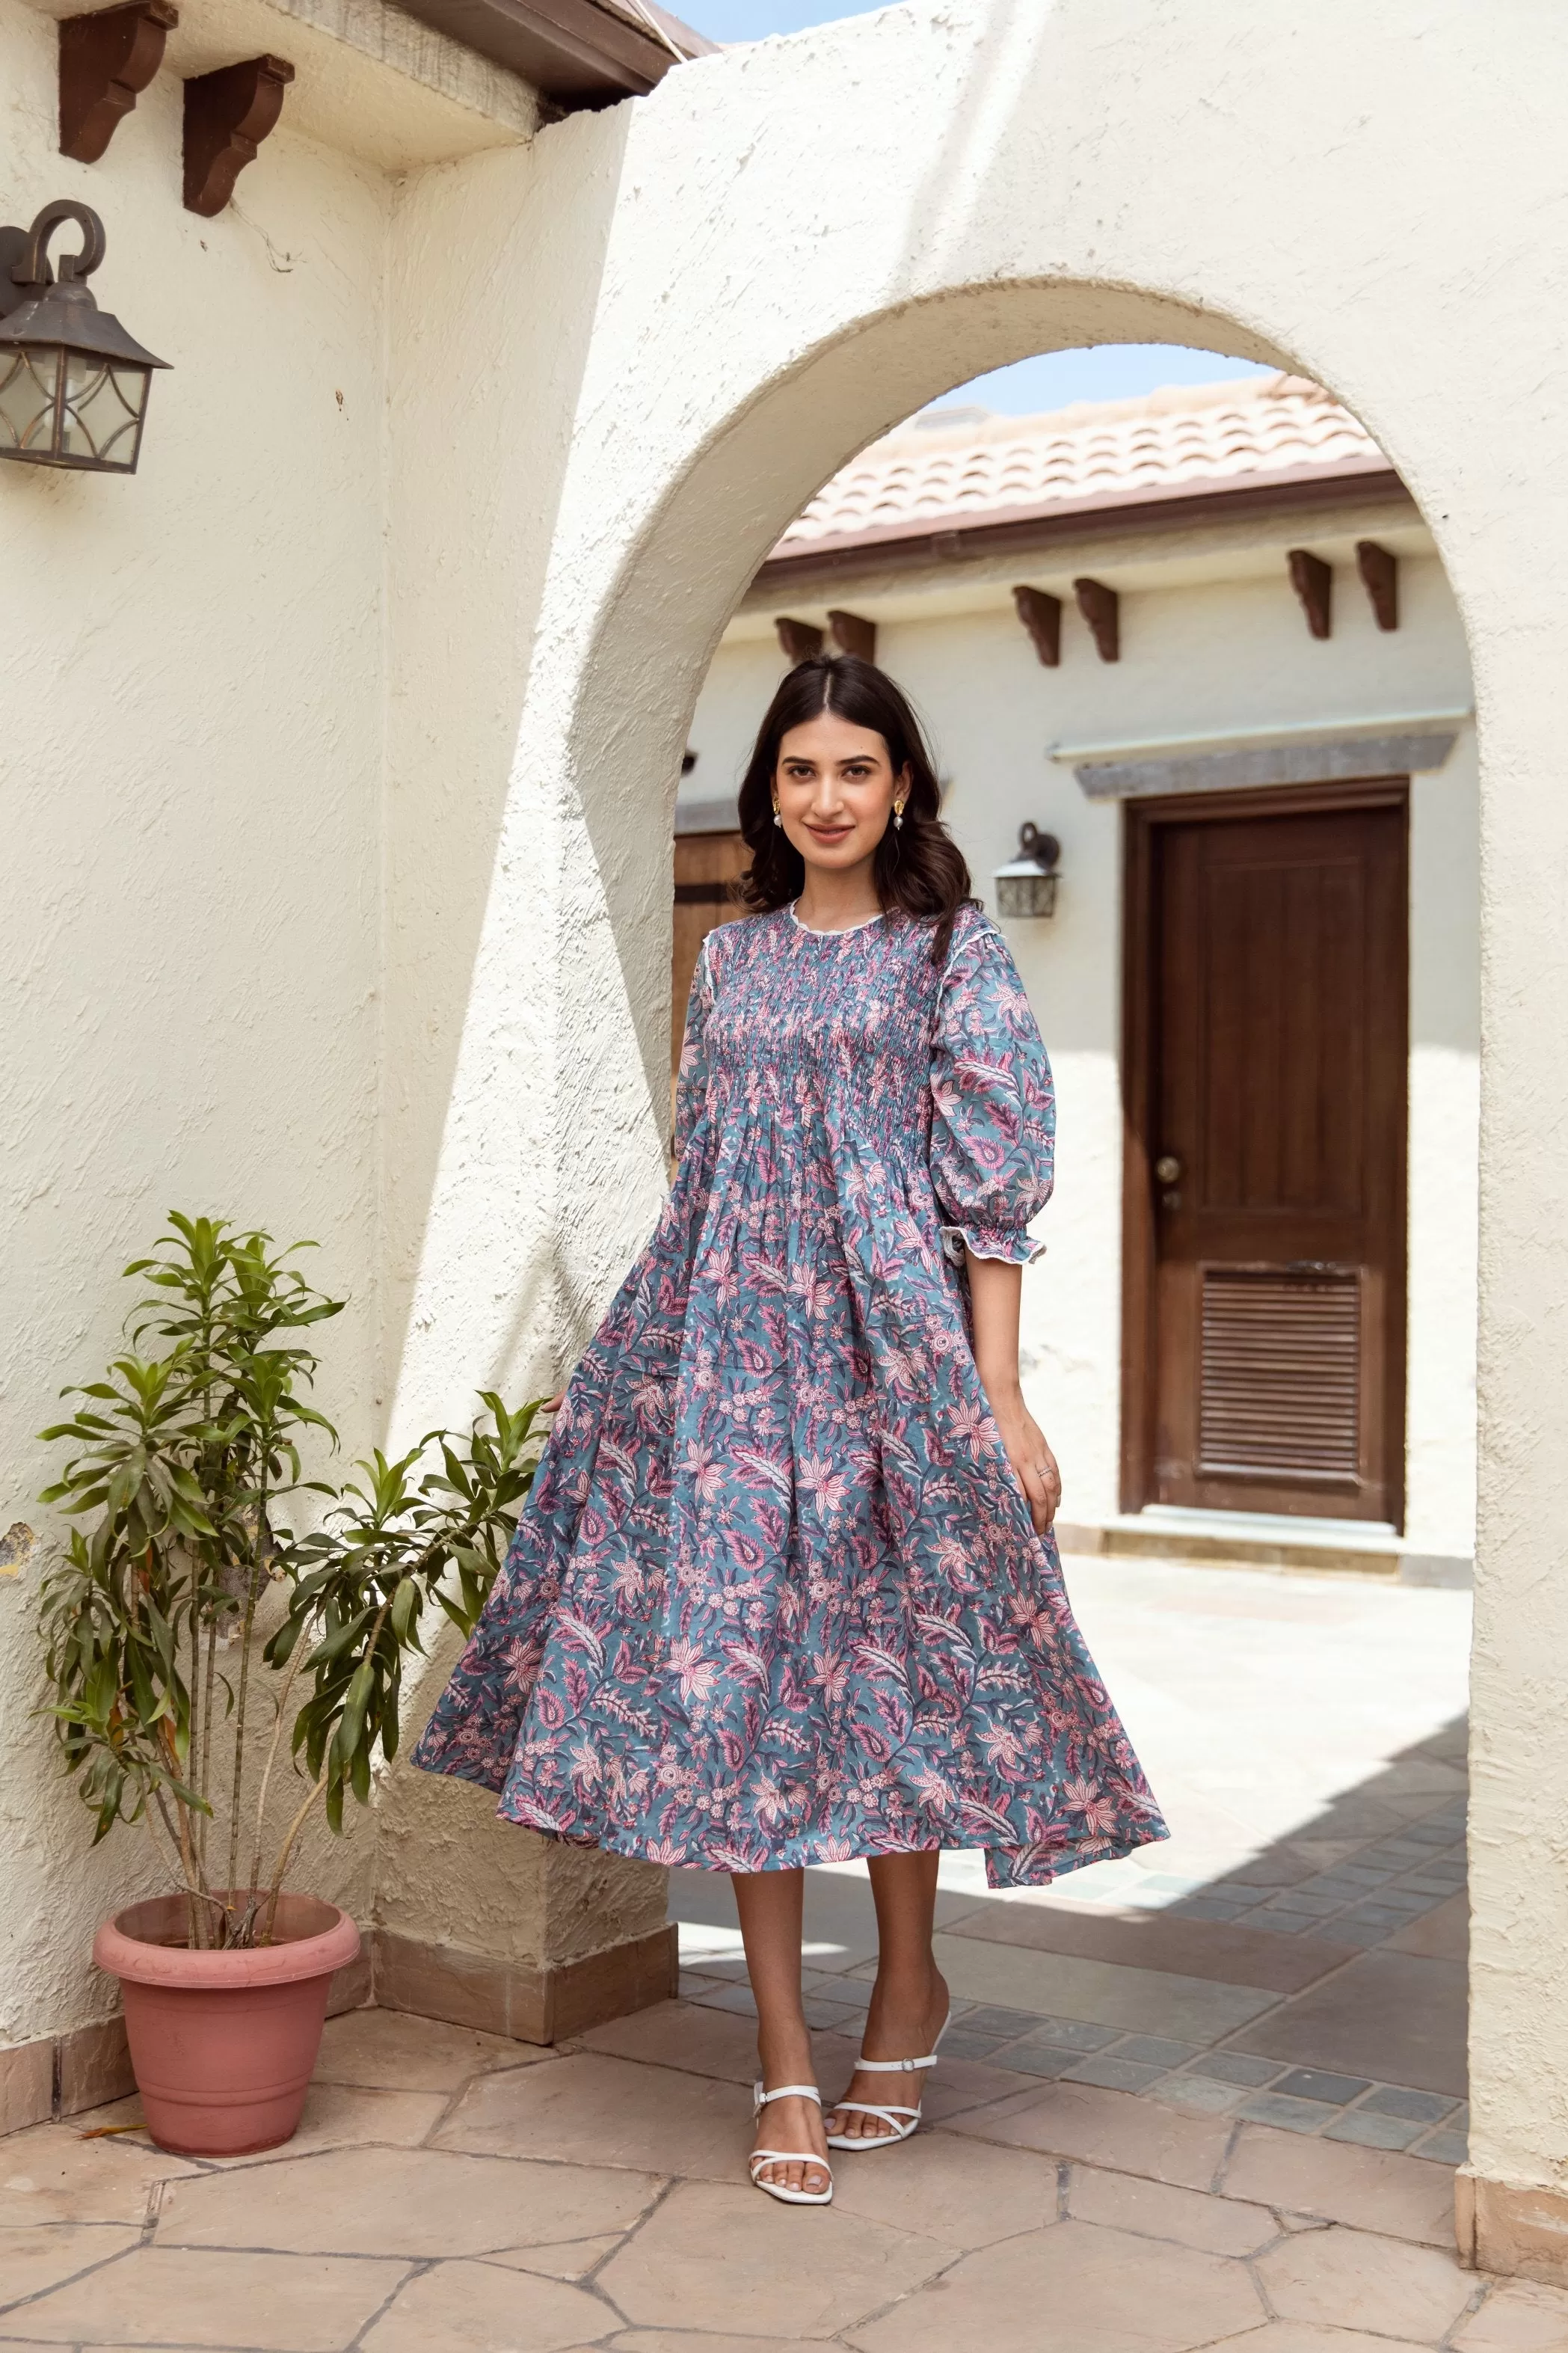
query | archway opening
[1199, 635]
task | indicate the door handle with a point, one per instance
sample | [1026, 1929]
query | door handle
[1168, 1168]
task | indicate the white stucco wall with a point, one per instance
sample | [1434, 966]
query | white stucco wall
[1198, 653]
[190, 783]
[485, 1170]
[261, 708]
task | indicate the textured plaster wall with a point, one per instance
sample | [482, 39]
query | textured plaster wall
[493, 265]
[843, 225]
[262, 711]
[188, 798]
[1196, 655]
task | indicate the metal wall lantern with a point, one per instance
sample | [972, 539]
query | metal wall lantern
[73, 383]
[1026, 885]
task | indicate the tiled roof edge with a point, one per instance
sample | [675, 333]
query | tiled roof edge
[968, 534]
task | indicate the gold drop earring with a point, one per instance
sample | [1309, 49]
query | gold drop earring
[897, 817]
[777, 819]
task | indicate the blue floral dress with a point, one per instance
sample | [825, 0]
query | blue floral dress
[775, 1597]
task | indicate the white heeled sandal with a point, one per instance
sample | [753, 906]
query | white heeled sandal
[900, 2121]
[761, 2156]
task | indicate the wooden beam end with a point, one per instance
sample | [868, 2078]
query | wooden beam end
[801, 640]
[106, 61]
[1379, 569]
[1041, 614]
[852, 634]
[227, 115]
[1102, 609]
[1313, 582]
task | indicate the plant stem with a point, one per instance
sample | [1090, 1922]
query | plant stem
[301, 1648]
[193, 1891]
[297, 1822]
[201, 1785]
[164, 1863]
[295, 1827]
[168, 1865]
[195, 1761]
[259, 1556]
[204, 1785]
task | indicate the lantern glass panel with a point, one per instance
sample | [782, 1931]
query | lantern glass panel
[1026, 893]
[101, 421]
[27, 382]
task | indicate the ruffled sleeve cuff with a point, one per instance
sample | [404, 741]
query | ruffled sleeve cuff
[1017, 1246]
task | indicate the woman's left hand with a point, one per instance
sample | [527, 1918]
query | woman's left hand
[1034, 1465]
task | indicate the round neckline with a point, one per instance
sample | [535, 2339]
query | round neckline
[840, 930]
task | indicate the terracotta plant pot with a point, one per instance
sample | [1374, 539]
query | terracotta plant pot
[223, 2045]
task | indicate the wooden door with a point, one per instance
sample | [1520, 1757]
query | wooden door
[707, 867]
[1266, 1165]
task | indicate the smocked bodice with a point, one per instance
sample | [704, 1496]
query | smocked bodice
[936, 1069]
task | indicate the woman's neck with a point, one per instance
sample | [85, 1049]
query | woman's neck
[830, 900]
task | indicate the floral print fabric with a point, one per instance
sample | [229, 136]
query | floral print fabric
[775, 1597]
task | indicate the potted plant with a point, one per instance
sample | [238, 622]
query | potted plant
[189, 1604]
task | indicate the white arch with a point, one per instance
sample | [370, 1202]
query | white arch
[812, 237]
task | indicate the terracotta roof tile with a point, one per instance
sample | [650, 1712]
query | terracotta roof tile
[934, 474]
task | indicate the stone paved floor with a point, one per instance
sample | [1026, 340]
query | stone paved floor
[1295, 1955]
[452, 2193]
[1208, 2098]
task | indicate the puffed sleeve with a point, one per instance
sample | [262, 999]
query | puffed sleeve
[994, 1129]
[691, 1077]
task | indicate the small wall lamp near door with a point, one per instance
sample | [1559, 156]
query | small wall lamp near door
[73, 383]
[1026, 885]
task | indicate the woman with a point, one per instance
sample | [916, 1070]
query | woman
[784, 1590]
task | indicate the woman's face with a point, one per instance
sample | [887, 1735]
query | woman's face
[835, 788]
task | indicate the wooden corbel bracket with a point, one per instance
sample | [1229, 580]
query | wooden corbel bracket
[1314, 584]
[852, 634]
[1379, 569]
[1101, 609]
[227, 115]
[801, 640]
[1041, 614]
[106, 62]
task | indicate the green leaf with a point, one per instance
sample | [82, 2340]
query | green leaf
[342, 1640]
[350, 1731]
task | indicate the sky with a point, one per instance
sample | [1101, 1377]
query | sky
[1112, 372]
[749, 20]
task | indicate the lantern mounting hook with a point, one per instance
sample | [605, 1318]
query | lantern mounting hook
[24, 252]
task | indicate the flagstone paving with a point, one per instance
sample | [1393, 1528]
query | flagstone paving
[1219, 2111]
[1295, 1955]
[595, 2197]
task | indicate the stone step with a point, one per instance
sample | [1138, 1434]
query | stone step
[1263, 1540]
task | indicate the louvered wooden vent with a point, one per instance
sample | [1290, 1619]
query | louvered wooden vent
[1280, 1373]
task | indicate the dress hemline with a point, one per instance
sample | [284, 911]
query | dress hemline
[801, 1854]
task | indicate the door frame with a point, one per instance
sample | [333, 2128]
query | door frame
[1142, 821]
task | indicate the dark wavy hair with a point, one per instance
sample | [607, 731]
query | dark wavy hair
[919, 870]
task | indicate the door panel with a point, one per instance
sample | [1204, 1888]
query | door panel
[1270, 1105]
